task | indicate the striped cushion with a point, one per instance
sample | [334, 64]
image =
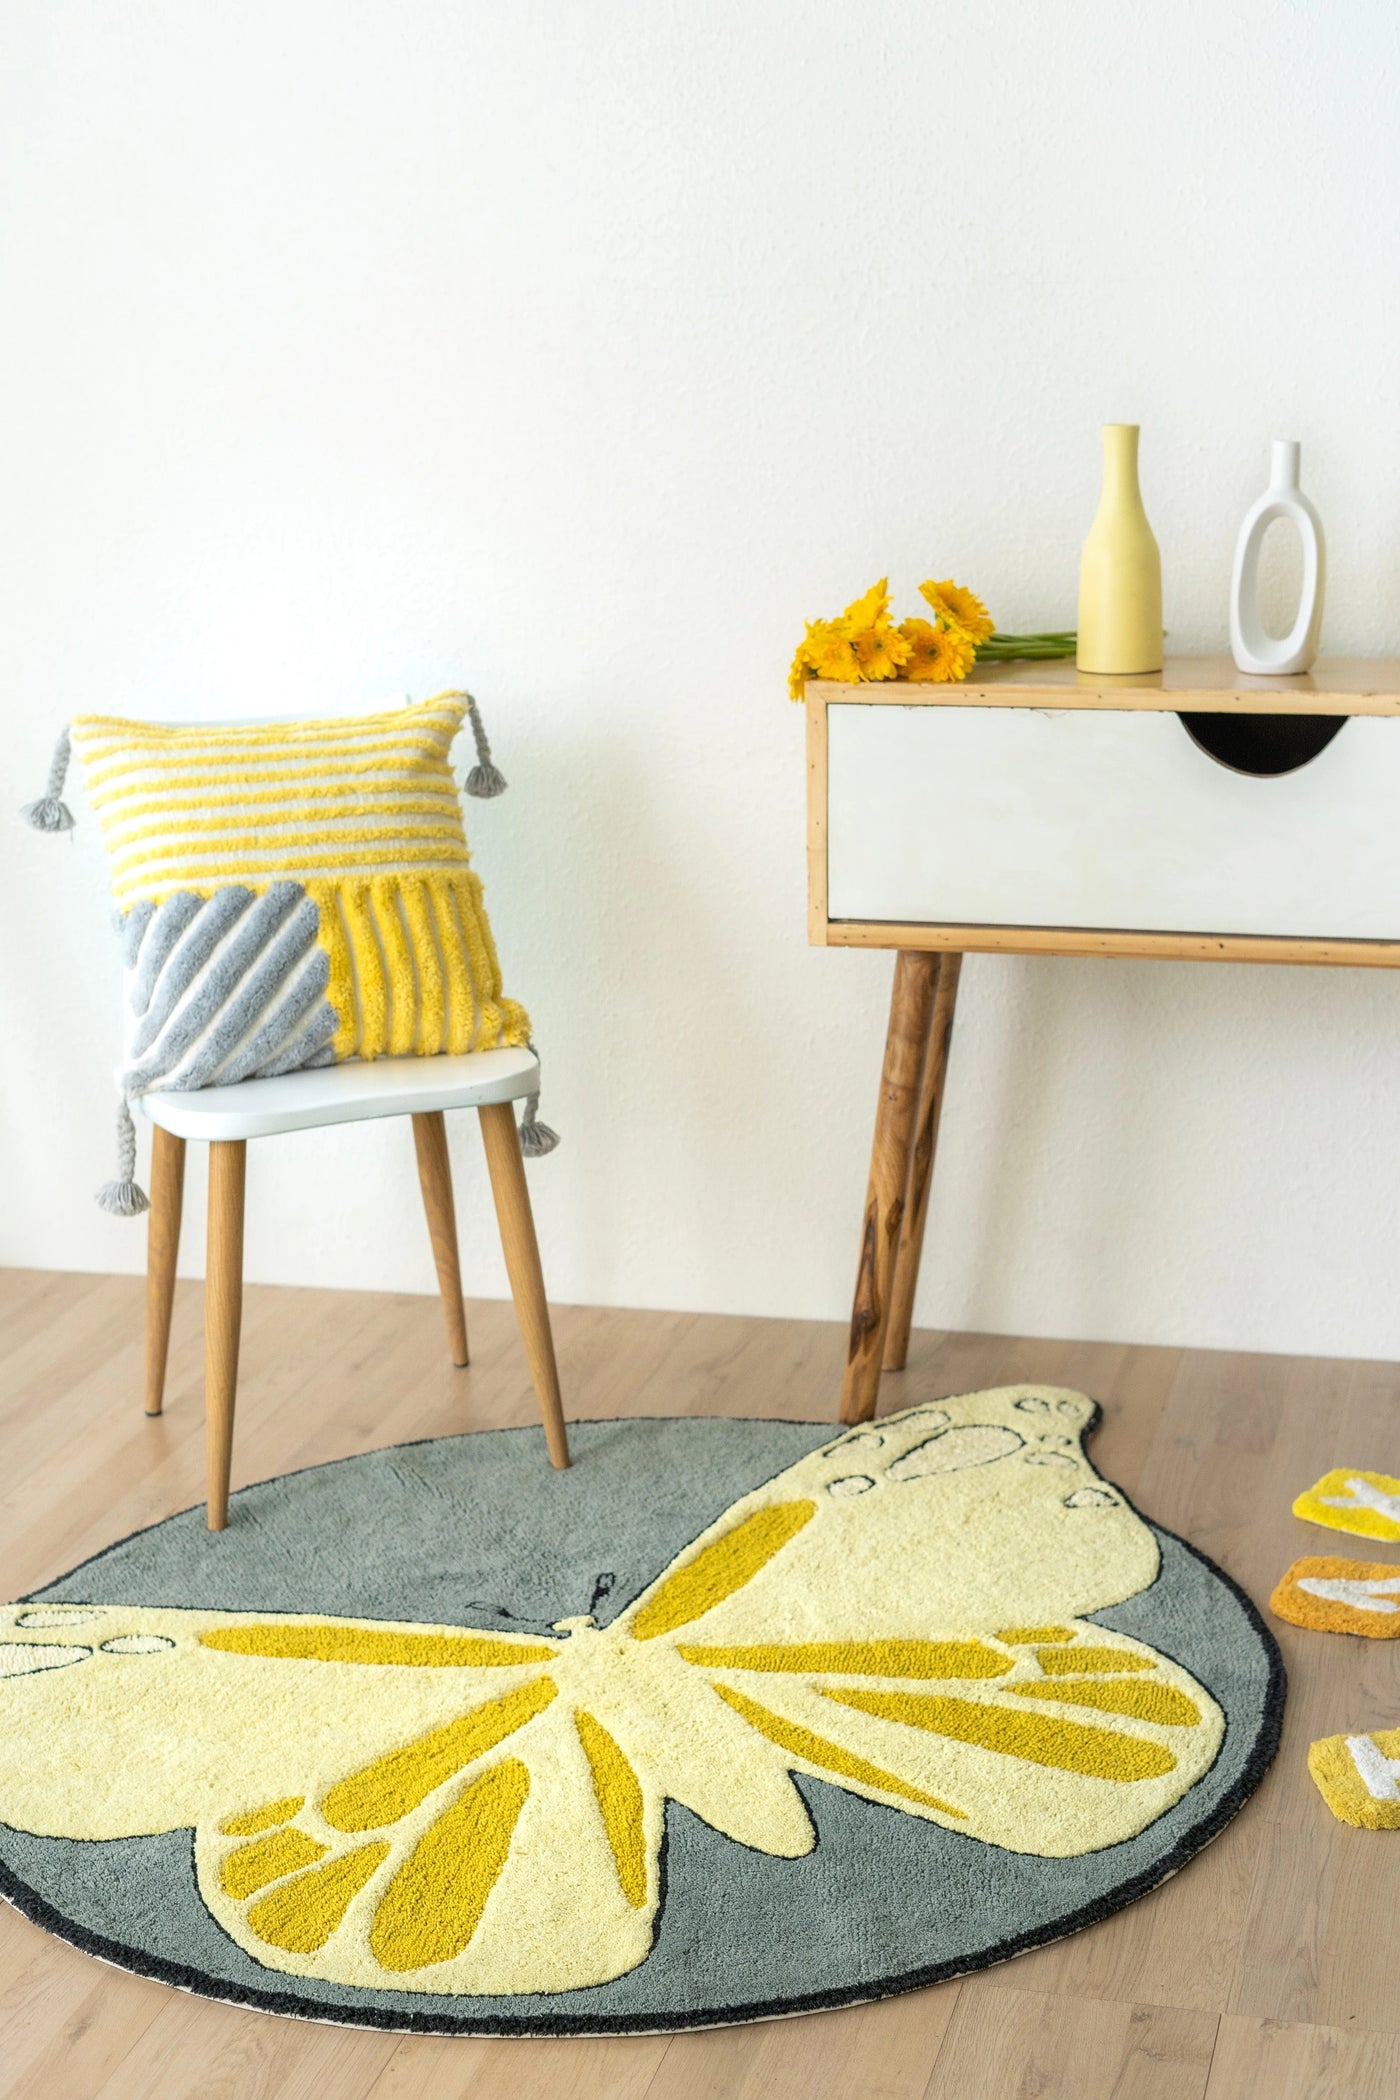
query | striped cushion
[293, 893]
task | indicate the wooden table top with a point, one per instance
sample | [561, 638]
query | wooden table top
[1338, 685]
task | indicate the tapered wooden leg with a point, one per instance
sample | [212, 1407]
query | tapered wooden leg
[911, 1007]
[911, 1231]
[435, 1180]
[162, 1252]
[521, 1250]
[223, 1315]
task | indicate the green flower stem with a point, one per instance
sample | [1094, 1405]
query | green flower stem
[1026, 648]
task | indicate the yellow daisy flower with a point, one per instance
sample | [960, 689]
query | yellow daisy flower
[956, 606]
[938, 655]
[870, 611]
[829, 652]
[877, 644]
[880, 651]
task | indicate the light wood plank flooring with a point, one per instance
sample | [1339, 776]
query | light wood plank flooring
[1268, 1968]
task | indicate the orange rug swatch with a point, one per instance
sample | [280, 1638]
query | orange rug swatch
[1341, 1596]
[1349, 1500]
[1356, 1776]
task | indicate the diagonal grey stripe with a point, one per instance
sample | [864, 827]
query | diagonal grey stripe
[188, 957]
[213, 991]
[164, 930]
[248, 999]
[225, 987]
[311, 1045]
[294, 999]
[132, 929]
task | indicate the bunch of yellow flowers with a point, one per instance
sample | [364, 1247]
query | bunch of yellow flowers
[865, 643]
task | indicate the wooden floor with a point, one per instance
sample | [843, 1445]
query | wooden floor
[1270, 1967]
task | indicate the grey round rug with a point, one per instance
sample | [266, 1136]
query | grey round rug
[733, 1719]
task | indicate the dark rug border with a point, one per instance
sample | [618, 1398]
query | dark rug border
[285, 2003]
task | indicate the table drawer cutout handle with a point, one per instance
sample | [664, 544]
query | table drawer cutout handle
[1262, 745]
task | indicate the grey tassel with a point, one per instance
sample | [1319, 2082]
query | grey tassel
[123, 1198]
[51, 812]
[485, 778]
[536, 1138]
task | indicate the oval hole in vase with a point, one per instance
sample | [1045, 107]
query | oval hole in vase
[1280, 577]
[1263, 745]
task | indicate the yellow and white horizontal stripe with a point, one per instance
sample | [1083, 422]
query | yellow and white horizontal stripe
[363, 814]
[191, 808]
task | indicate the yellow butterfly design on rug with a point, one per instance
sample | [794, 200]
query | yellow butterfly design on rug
[446, 1809]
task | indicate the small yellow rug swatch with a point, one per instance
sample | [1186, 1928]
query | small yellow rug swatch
[1357, 1777]
[1350, 1500]
[1341, 1596]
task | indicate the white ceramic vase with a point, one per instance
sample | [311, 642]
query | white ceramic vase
[1254, 649]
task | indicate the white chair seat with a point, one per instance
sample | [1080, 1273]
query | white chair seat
[348, 1093]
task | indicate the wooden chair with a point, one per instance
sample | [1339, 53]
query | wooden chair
[226, 1117]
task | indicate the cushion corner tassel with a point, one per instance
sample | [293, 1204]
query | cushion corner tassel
[124, 1197]
[51, 812]
[485, 780]
[537, 1140]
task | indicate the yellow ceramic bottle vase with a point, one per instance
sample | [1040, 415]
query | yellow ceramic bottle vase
[1120, 570]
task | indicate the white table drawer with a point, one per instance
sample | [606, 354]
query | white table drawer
[1014, 816]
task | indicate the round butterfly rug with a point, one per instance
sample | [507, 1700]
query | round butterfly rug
[733, 1719]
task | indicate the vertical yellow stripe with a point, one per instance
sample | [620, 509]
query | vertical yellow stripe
[461, 1006]
[369, 970]
[398, 964]
[515, 1025]
[486, 971]
[340, 988]
[431, 1002]
[461, 919]
[507, 1020]
[472, 884]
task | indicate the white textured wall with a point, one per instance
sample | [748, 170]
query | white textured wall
[577, 351]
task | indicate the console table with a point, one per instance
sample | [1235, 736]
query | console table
[1192, 813]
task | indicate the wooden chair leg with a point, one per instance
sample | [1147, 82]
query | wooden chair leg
[223, 1315]
[911, 1006]
[512, 1198]
[930, 1108]
[162, 1253]
[435, 1180]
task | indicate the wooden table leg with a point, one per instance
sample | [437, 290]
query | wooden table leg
[521, 1249]
[435, 1180]
[223, 1315]
[911, 1234]
[162, 1253]
[911, 1007]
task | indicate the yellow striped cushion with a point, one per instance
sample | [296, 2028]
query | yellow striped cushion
[362, 815]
